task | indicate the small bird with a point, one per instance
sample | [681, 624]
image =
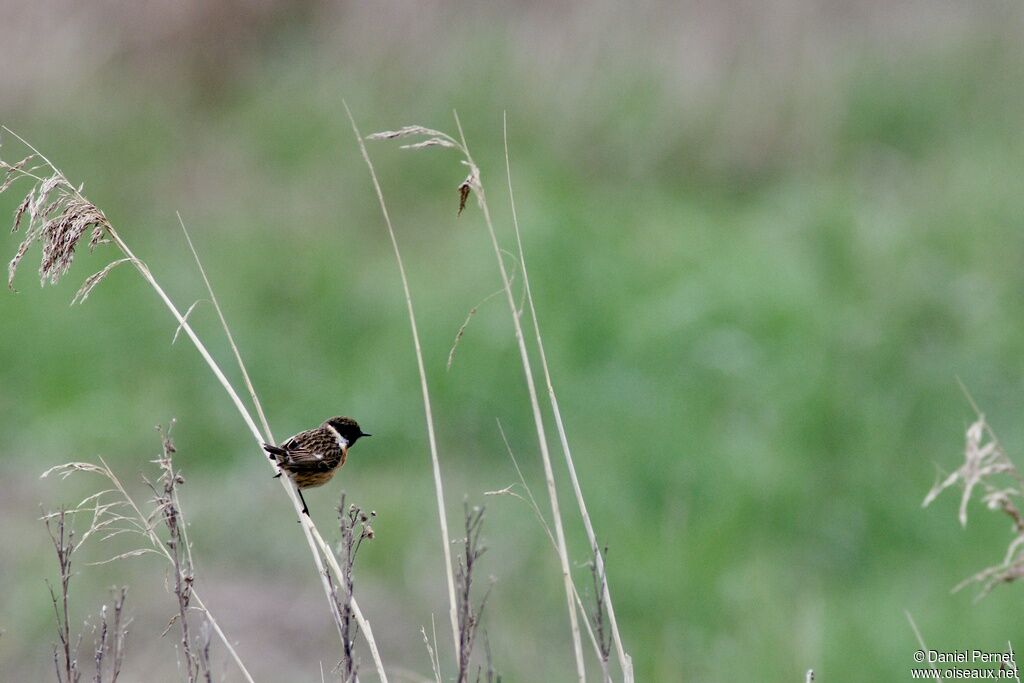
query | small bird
[312, 457]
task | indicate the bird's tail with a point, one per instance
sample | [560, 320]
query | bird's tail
[274, 452]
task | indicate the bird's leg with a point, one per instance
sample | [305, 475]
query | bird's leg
[305, 508]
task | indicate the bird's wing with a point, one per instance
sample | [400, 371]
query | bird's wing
[313, 450]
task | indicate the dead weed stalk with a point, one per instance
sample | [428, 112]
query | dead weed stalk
[167, 507]
[355, 527]
[113, 512]
[110, 634]
[469, 615]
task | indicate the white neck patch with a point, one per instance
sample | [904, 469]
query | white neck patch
[342, 441]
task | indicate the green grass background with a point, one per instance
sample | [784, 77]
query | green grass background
[758, 277]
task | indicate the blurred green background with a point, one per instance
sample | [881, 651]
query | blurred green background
[765, 240]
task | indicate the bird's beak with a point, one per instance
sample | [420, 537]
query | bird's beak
[364, 434]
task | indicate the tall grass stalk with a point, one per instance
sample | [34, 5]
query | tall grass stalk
[472, 184]
[431, 438]
[625, 661]
[313, 538]
[227, 333]
[538, 419]
[312, 533]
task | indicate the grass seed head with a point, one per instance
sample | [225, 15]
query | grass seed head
[58, 217]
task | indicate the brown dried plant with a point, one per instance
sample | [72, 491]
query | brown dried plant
[354, 523]
[167, 507]
[113, 512]
[469, 615]
[988, 471]
[65, 657]
[111, 632]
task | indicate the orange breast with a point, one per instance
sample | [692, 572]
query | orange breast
[307, 480]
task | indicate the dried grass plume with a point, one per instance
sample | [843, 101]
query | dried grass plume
[987, 469]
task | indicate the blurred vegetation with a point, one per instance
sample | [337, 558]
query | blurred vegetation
[757, 290]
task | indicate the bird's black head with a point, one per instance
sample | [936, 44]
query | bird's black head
[348, 428]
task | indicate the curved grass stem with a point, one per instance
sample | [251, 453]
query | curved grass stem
[625, 661]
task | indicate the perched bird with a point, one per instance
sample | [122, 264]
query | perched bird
[312, 457]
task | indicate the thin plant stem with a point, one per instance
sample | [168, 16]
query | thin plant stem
[431, 438]
[920, 638]
[309, 528]
[227, 333]
[625, 661]
[313, 537]
[538, 419]
[532, 502]
[259, 408]
[1016, 671]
